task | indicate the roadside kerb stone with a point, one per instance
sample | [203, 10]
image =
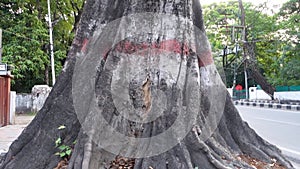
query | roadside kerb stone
[273, 105]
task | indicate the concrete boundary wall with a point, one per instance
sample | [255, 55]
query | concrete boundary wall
[32, 102]
[290, 95]
[23, 103]
[12, 112]
[255, 94]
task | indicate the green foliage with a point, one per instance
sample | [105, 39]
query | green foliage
[23, 38]
[64, 150]
[276, 35]
[282, 67]
[26, 38]
[61, 127]
[289, 17]
[220, 20]
[57, 142]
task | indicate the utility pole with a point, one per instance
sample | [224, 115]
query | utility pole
[51, 43]
[244, 41]
[235, 68]
[0, 45]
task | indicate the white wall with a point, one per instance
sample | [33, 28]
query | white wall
[12, 113]
[23, 103]
[34, 101]
[255, 94]
[287, 95]
[230, 91]
[39, 95]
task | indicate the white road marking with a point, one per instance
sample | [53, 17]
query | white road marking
[271, 109]
[277, 121]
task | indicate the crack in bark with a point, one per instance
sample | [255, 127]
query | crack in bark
[147, 94]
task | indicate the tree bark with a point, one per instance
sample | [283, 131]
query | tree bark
[172, 69]
[261, 80]
[254, 70]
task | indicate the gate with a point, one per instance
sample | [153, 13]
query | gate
[4, 100]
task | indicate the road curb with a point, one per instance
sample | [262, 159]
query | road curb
[268, 105]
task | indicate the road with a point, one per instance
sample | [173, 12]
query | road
[279, 127]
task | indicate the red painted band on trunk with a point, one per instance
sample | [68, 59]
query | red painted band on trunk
[167, 45]
[128, 47]
[84, 45]
[205, 58]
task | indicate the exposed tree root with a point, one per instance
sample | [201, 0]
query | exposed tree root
[233, 144]
[218, 152]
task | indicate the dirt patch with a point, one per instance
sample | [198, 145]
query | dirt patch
[122, 163]
[63, 164]
[259, 164]
[23, 119]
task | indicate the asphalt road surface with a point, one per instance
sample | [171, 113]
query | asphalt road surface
[279, 127]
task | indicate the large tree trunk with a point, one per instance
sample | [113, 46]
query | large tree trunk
[141, 90]
[261, 80]
[254, 70]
